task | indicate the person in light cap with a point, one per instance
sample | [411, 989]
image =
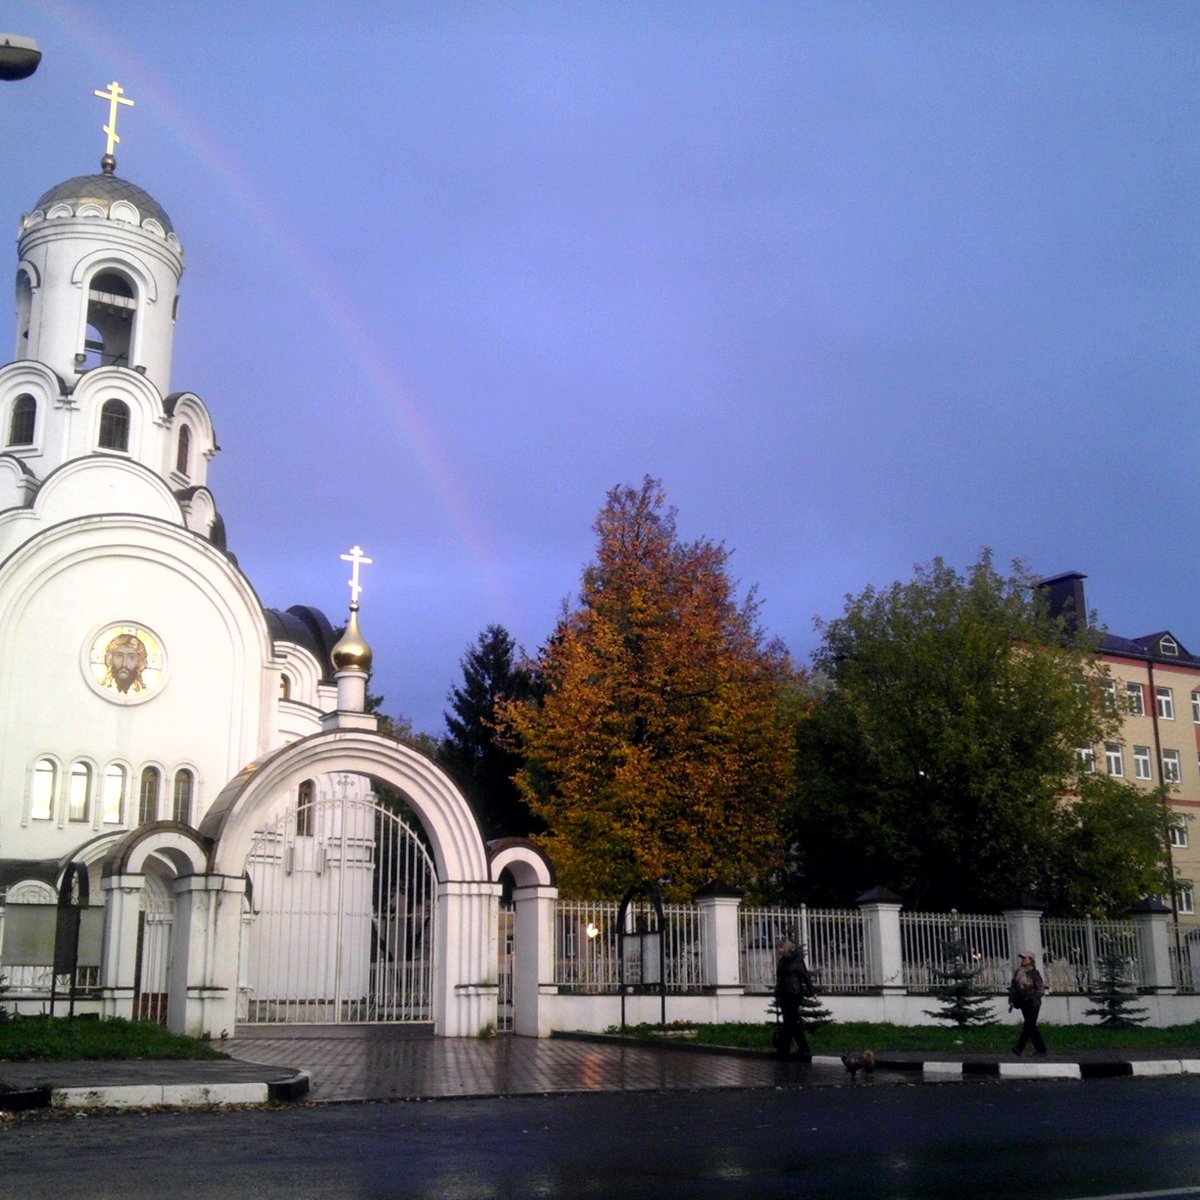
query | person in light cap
[1025, 992]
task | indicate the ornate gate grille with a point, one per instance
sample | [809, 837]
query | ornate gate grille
[340, 922]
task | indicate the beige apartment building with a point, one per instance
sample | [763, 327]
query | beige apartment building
[1156, 683]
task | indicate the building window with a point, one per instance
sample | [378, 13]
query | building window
[1114, 758]
[1178, 832]
[1170, 767]
[79, 796]
[1087, 759]
[45, 784]
[304, 809]
[181, 808]
[1196, 707]
[1137, 705]
[1141, 763]
[114, 426]
[285, 688]
[1108, 695]
[24, 420]
[1168, 646]
[112, 800]
[112, 307]
[1164, 697]
[183, 450]
[148, 796]
[1185, 897]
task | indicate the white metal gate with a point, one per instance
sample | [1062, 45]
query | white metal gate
[155, 920]
[340, 920]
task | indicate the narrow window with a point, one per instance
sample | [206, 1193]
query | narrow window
[1185, 897]
[183, 450]
[114, 426]
[1114, 758]
[113, 797]
[1141, 763]
[1137, 705]
[181, 809]
[148, 796]
[1196, 707]
[1178, 831]
[1087, 759]
[80, 793]
[1108, 695]
[24, 421]
[304, 809]
[1171, 772]
[110, 315]
[1165, 699]
[24, 311]
[285, 688]
[45, 783]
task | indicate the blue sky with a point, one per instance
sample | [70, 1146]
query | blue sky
[861, 283]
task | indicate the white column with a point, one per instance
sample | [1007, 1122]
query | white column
[881, 935]
[1025, 933]
[205, 939]
[118, 969]
[533, 958]
[719, 924]
[1152, 919]
[467, 985]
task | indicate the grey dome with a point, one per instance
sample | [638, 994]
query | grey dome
[103, 190]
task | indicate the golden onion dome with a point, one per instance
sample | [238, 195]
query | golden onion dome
[352, 652]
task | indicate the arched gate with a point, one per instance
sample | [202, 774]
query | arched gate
[339, 918]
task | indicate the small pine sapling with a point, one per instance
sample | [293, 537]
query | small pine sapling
[963, 1001]
[1113, 993]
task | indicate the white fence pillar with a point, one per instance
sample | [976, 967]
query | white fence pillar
[1025, 933]
[533, 955]
[1154, 943]
[206, 937]
[467, 985]
[719, 933]
[881, 939]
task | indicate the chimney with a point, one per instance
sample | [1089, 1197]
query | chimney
[1065, 600]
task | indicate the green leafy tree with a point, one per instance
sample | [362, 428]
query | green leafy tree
[1110, 849]
[472, 750]
[935, 760]
[660, 748]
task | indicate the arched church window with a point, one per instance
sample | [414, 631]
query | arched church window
[304, 809]
[24, 420]
[112, 798]
[79, 794]
[112, 306]
[148, 796]
[24, 311]
[183, 450]
[285, 688]
[181, 809]
[45, 783]
[114, 425]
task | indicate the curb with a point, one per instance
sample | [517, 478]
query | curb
[168, 1095]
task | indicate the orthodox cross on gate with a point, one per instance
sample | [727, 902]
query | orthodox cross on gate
[115, 95]
[358, 559]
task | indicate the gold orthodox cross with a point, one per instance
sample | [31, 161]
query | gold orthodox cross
[358, 559]
[115, 95]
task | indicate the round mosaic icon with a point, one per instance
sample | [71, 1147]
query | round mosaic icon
[125, 663]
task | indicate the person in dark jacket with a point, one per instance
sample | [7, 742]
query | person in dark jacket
[1025, 993]
[792, 984]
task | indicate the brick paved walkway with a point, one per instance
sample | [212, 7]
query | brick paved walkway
[380, 1065]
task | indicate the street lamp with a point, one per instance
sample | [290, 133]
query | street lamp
[19, 56]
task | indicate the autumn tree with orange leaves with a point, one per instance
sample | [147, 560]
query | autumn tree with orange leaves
[660, 748]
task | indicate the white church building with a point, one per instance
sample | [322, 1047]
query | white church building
[253, 849]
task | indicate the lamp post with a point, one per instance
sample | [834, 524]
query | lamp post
[19, 56]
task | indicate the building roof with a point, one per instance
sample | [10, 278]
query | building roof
[1149, 647]
[104, 190]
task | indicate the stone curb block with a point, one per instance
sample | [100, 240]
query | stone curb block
[1159, 1067]
[179, 1095]
[1040, 1070]
[943, 1070]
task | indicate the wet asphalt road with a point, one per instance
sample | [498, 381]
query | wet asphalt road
[980, 1140]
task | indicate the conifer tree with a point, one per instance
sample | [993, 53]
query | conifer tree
[1114, 992]
[963, 1001]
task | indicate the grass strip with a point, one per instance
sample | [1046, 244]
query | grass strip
[56, 1039]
